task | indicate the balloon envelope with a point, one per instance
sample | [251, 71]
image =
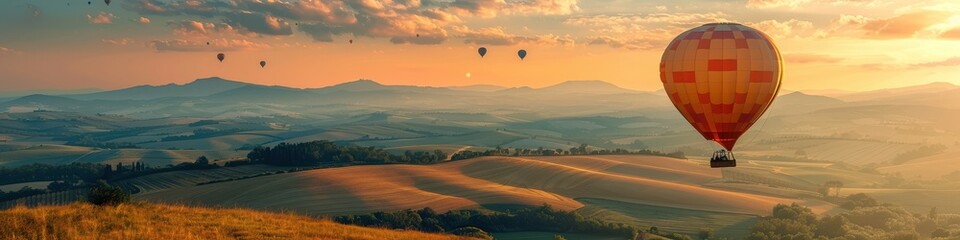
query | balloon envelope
[263, 63]
[107, 2]
[522, 53]
[220, 57]
[721, 77]
[482, 51]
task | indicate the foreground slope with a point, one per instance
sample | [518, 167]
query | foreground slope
[154, 221]
[558, 181]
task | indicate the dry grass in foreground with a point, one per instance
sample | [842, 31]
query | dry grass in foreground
[157, 221]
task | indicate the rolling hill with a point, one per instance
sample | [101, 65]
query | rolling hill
[558, 181]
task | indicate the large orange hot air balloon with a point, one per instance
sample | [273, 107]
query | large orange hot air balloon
[721, 77]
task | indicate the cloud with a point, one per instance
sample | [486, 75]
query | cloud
[954, 61]
[259, 23]
[641, 31]
[497, 36]
[949, 62]
[810, 58]
[142, 20]
[190, 27]
[118, 42]
[102, 18]
[904, 26]
[794, 4]
[951, 34]
[398, 20]
[789, 28]
[631, 44]
[181, 45]
[4, 50]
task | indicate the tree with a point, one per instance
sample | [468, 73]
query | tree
[472, 232]
[859, 200]
[202, 161]
[105, 195]
[940, 233]
[558, 237]
[705, 233]
[836, 185]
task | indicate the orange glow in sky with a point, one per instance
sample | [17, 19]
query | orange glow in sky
[826, 44]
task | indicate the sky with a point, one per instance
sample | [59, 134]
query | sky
[851, 45]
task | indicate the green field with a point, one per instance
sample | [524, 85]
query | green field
[667, 219]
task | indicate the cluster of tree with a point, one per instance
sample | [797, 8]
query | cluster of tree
[866, 219]
[543, 218]
[102, 194]
[137, 169]
[581, 150]
[89, 141]
[316, 153]
[923, 151]
[43, 172]
[200, 133]
[81, 175]
[23, 192]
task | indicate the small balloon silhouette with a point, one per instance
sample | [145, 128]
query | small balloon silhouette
[522, 53]
[263, 64]
[220, 57]
[482, 51]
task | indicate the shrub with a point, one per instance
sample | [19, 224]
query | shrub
[105, 195]
[471, 232]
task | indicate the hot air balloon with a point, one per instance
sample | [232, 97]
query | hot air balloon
[107, 2]
[263, 64]
[220, 56]
[522, 53]
[351, 41]
[89, 2]
[482, 51]
[721, 77]
[208, 43]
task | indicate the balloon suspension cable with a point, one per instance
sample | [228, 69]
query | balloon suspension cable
[765, 116]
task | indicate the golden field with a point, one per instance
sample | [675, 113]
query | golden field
[159, 221]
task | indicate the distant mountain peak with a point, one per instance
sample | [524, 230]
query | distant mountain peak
[359, 85]
[214, 80]
[587, 86]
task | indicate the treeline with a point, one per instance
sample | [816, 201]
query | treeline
[583, 149]
[45, 172]
[82, 175]
[200, 133]
[89, 141]
[866, 219]
[316, 153]
[922, 151]
[543, 218]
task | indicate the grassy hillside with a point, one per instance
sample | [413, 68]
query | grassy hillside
[156, 221]
[490, 180]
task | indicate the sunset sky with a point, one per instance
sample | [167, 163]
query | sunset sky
[826, 44]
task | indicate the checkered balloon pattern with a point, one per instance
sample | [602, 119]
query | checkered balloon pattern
[721, 77]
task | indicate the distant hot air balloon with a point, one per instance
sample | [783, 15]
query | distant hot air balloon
[351, 41]
[107, 2]
[263, 64]
[721, 77]
[89, 2]
[522, 53]
[208, 43]
[482, 51]
[220, 56]
[418, 35]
